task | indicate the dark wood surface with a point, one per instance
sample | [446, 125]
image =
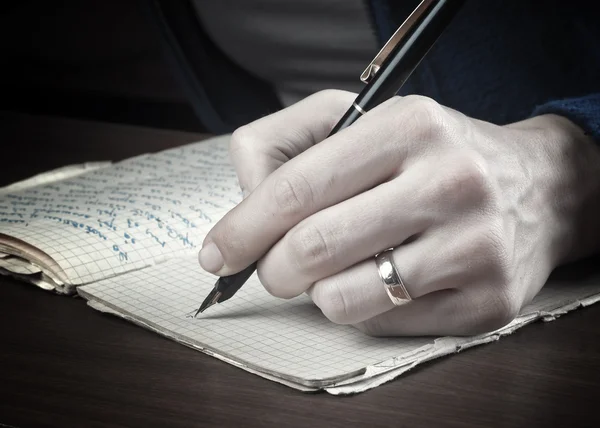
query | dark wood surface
[64, 364]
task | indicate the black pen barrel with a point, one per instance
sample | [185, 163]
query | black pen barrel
[392, 74]
[405, 57]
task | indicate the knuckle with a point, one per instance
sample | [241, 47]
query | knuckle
[292, 194]
[488, 250]
[309, 247]
[493, 308]
[490, 303]
[330, 300]
[506, 308]
[423, 104]
[243, 138]
[496, 311]
[467, 182]
[491, 244]
[429, 117]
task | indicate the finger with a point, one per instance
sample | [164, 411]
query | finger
[344, 234]
[340, 236]
[345, 164]
[437, 260]
[472, 310]
[259, 148]
[440, 313]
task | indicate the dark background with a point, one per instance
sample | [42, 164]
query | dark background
[98, 60]
[87, 81]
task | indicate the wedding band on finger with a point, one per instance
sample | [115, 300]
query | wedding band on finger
[392, 281]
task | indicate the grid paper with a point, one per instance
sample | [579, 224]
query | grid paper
[289, 339]
[123, 217]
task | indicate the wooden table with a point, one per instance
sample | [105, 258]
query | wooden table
[64, 364]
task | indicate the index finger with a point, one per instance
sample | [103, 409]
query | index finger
[340, 167]
[259, 148]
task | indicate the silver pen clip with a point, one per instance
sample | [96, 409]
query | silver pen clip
[396, 38]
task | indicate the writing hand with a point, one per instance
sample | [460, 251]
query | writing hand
[478, 214]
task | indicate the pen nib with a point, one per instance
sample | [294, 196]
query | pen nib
[210, 300]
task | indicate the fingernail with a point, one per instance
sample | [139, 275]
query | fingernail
[210, 258]
[245, 193]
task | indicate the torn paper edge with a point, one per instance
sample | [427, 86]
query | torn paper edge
[304, 384]
[375, 376]
[19, 265]
[42, 283]
[383, 372]
[24, 270]
[34, 255]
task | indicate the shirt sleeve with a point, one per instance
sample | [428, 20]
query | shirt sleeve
[582, 111]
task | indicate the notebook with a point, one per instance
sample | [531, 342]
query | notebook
[80, 225]
[125, 237]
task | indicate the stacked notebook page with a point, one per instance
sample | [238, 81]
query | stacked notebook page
[125, 237]
[21, 263]
[115, 219]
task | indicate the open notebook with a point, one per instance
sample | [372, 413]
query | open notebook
[125, 237]
[106, 220]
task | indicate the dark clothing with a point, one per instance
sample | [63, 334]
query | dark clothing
[500, 61]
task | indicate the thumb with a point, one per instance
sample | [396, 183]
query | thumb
[259, 148]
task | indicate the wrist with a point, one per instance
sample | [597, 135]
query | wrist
[570, 187]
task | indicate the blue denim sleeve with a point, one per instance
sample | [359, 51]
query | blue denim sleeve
[583, 111]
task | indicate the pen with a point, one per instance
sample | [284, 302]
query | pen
[384, 77]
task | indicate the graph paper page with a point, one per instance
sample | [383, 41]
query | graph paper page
[132, 214]
[290, 339]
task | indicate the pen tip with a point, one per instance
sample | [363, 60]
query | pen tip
[210, 300]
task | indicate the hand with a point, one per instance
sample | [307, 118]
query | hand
[478, 214]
